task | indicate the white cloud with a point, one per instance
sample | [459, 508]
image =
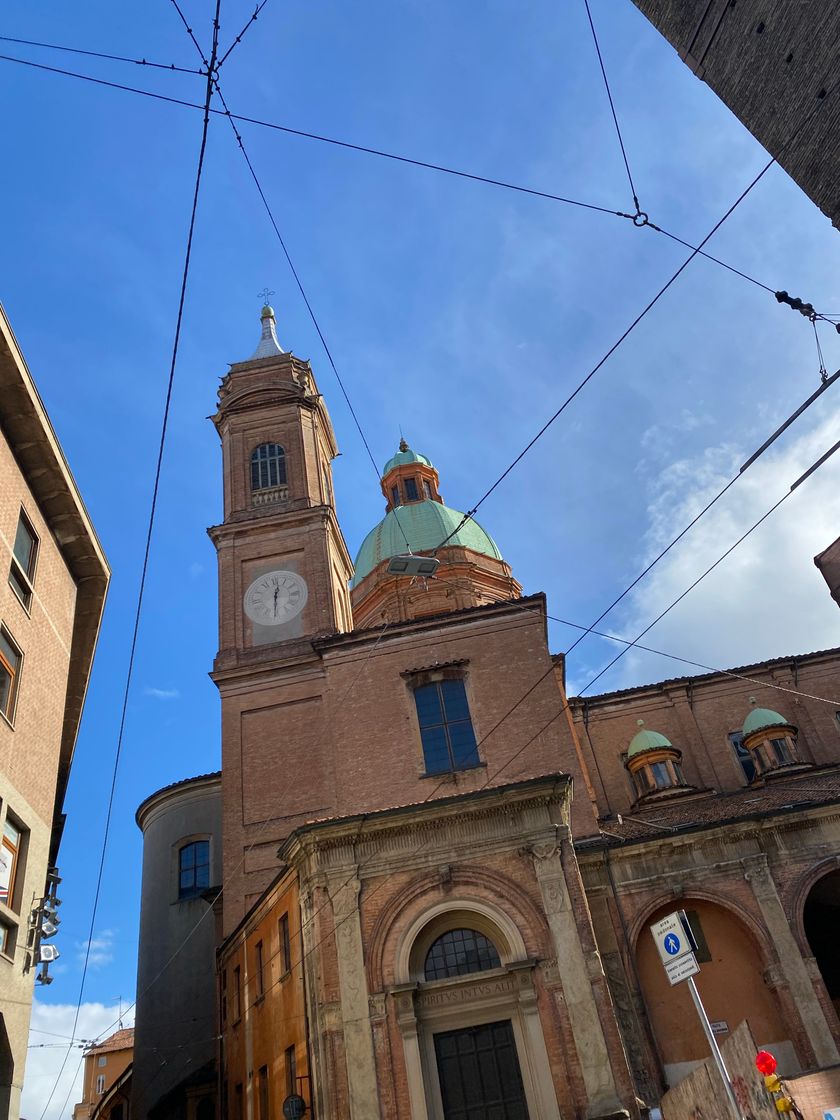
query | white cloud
[766, 599]
[162, 693]
[101, 950]
[47, 1052]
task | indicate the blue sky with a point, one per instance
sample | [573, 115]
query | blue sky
[462, 312]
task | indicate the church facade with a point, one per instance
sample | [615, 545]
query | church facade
[439, 870]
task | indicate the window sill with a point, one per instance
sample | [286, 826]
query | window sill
[439, 774]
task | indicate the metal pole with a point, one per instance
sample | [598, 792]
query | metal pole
[716, 1054]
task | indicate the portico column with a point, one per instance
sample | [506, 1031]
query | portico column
[355, 1010]
[592, 1052]
[793, 965]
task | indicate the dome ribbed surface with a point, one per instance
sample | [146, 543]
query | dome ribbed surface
[403, 457]
[645, 740]
[760, 718]
[425, 525]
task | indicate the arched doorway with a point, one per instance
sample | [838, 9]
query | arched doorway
[731, 985]
[467, 1011]
[820, 918]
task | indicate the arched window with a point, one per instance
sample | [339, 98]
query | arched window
[458, 952]
[268, 466]
[193, 868]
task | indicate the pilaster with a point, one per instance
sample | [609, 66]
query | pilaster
[355, 998]
[593, 1054]
[792, 964]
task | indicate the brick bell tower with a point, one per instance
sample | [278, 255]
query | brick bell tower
[283, 583]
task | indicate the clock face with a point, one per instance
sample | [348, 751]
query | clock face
[275, 598]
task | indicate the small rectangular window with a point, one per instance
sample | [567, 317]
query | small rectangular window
[395, 495]
[258, 969]
[10, 659]
[291, 1071]
[103, 1061]
[9, 858]
[263, 1092]
[446, 729]
[782, 751]
[100, 1083]
[193, 868]
[661, 775]
[24, 554]
[411, 494]
[237, 994]
[427, 488]
[744, 757]
[285, 944]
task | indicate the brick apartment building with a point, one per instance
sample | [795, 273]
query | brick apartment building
[51, 598]
[438, 869]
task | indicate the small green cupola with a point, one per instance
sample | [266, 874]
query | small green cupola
[655, 765]
[771, 739]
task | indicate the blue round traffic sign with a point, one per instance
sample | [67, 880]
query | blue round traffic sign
[672, 944]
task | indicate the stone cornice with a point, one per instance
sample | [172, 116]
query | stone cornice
[522, 810]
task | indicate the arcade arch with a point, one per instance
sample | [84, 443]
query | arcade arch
[820, 917]
[731, 984]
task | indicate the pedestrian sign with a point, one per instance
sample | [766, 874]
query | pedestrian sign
[672, 937]
[672, 945]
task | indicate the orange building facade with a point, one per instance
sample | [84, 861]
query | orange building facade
[106, 1084]
[439, 870]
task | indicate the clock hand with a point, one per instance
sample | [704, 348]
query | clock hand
[276, 593]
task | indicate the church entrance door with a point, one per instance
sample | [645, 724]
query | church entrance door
[479, 1073]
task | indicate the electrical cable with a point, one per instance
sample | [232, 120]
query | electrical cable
[102, 54]
[382, 154]
[155, 488]
[648, 307]
[826, 383]
[238, 38]
[815, 466]
[612, 107]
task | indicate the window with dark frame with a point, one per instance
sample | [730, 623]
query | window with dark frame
[285, 944]
[268, 466]
[263, 1092]
[291, 1071]
[193, 868]
[459, 952]
[10, 660]
[237, 994]
[446, 729]
[395, 495]
[427, 488]
[10, 849]
[24, 555]
[411, 492]
[744, 756]
[781, 750]
[258, 969]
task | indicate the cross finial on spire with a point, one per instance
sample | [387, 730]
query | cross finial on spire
[265, 295]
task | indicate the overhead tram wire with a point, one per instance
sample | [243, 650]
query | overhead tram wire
[238, 38]
[380, 153]
[794, 486]
[102, 54]
[612, 108]
[147, 551]
[286, 254]
[827, 383]
[582, 384]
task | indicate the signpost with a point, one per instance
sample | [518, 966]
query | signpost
[677, 947]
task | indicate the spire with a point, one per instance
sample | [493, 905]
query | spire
[269, 347]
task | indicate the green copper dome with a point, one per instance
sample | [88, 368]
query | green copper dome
[424, 525]
[760, 718]
[403, 457]
[645, 740]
